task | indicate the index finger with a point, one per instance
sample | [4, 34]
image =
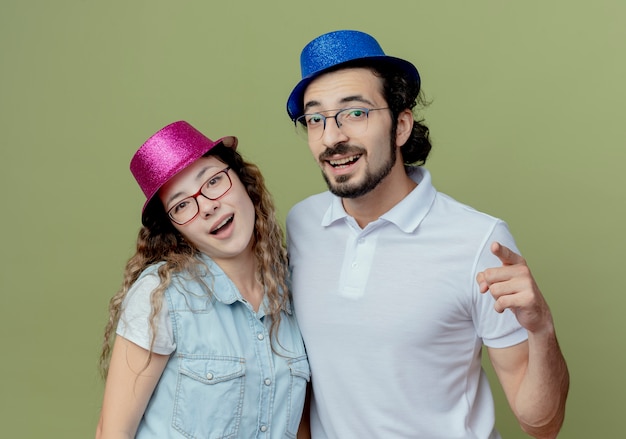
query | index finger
[505, 254]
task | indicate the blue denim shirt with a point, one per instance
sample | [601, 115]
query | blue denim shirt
[223, 380]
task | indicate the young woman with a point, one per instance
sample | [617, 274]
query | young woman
[201, 340]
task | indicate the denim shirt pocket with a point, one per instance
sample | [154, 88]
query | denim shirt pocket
[300, 375]
[209, 396]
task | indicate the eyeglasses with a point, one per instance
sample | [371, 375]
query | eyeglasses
[215, 187]
[351, 121]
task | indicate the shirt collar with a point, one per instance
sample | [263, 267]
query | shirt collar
[220, 284]
[407, 214]
[225, 290]
[335, 212]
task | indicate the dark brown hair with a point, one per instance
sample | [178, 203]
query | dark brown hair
[401, 93]
[159, 241]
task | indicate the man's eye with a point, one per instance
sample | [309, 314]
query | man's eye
[314, 119]
[356, 113]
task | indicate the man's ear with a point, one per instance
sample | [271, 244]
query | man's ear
[404, 127]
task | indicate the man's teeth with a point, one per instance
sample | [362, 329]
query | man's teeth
[344, 161]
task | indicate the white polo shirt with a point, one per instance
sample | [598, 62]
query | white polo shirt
[392, 318]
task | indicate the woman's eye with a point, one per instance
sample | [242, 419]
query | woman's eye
[214, 181]
[181, 206]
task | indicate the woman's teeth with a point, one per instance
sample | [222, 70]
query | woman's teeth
[221, 225]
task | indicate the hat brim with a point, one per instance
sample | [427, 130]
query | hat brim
[227, 141]
[295, 102]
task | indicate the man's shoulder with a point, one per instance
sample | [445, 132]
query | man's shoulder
[447, 202]
[312, 202]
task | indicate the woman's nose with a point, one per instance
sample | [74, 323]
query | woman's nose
[207, 206]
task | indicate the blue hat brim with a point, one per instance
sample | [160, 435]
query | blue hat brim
[295, 102]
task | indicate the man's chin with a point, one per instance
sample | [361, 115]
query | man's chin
[344, 190]
[339, 185]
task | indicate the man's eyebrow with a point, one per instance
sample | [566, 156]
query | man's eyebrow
[310, 104]
[345, 100]
[356, 98]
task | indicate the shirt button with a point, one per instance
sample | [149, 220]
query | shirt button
[361, 241]
[267, 381]
[263, 428]
[209, 376]
[260, 336]
[355, 265]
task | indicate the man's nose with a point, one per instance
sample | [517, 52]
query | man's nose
[332, 134]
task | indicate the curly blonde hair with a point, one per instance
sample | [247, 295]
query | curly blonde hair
[158, 241]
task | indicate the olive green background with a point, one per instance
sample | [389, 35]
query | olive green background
[527, 119]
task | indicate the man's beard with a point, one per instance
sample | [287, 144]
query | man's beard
[344, 189]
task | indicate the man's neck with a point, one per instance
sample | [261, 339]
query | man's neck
[371, 206]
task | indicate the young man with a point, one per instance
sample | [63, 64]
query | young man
[396, 286]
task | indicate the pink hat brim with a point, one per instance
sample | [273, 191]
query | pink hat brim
[169, 151]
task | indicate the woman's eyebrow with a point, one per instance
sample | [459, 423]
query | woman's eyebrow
[198, 176]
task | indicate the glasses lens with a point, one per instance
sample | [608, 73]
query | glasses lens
[353, 121]
[184, 211]
[214, 188]
[301, 128]
[217, 185]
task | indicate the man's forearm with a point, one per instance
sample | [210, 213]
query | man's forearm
[540, 402]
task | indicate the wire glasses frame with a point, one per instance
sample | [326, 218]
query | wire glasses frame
[214, 188]
[351, 121]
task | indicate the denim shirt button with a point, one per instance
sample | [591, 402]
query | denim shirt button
[267, 381]
[263, 428]
[209, 376]
[260, 336]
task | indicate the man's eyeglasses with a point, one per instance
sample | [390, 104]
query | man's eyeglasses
[351, 121]
[187, 209]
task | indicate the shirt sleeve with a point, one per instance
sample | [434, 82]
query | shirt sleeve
[134, 323]
[497, 330]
